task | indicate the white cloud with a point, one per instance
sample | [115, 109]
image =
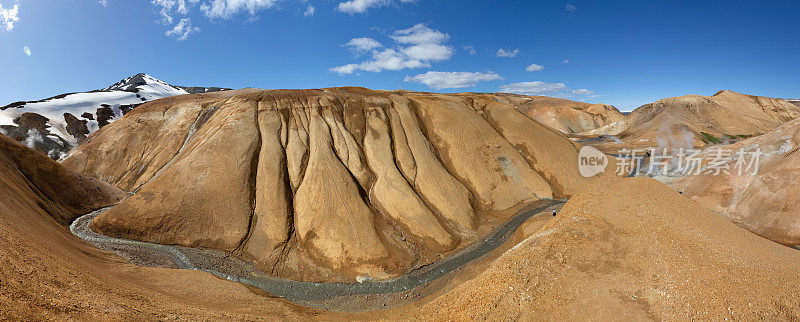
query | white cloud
[429, 52]
[470, 49]
[167, 6]
[309, 11]
[582, 91]
[416, 47]
[570, 8]
[507, 53]
[386, 59]
[360, 6]
[103, 3]
[183, 8]
[182, 29]
[566, 61]
[391, 60]
[171, 10]
[440, 80]
[419, 34]
[9, 16]
[363, 44]
[558, 90]
[352, 7]
[225, 9]
[534, 68]
[533, 88]
[213, 9]
[345, 69]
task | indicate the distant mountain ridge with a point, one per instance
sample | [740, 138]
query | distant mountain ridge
[131, 84]
[56, 124]
[696, 120]
[564, 115]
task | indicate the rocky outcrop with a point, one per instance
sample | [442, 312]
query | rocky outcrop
[329, 184]
[104, 115]
[32, 121]
[77, 128]
[33, 130]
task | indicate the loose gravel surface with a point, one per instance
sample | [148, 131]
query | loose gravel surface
[344, 297]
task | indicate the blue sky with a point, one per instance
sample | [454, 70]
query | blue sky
[624, 53]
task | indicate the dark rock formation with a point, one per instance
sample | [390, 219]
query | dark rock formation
[77, 128]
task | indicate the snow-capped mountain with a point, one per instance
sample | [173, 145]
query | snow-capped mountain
[794, 101]
[146, 85]
[57, 124]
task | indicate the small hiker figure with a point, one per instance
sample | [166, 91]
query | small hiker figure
[554, 213]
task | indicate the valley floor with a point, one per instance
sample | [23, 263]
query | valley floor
[629, 248]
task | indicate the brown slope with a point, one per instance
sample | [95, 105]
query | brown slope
[63, 194]
[682, 121]
[47, 273]
[757, 106]
[564, 115]
[328, 184]
[766, 202]
[631, 249]
[176, 119]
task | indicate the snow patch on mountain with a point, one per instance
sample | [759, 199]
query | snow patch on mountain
[130, 91]
[5, 119]
[89, 110]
